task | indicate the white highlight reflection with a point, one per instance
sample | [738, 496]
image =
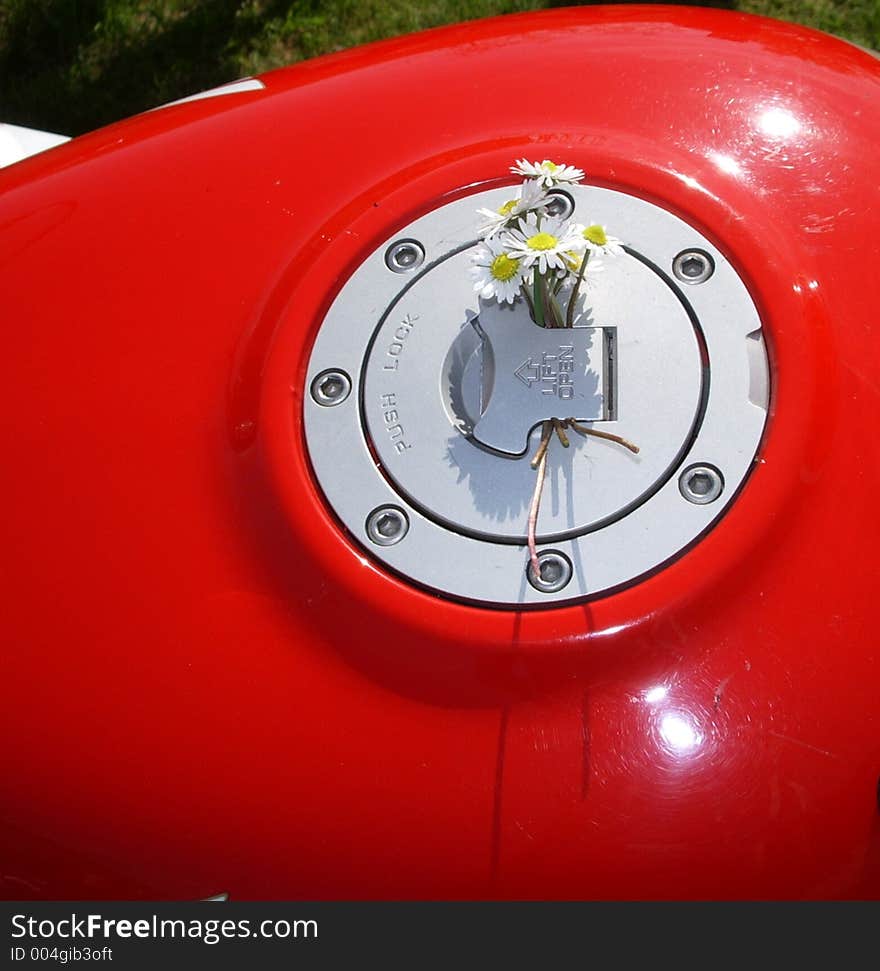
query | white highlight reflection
[679, 733]
[778, 123]
[728, 165]
[655, 694]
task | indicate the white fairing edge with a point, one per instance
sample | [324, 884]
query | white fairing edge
[17, 143]
[245, 84]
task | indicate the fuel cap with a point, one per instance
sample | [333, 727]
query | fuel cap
[424, 406]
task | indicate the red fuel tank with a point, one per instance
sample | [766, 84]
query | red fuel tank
[212, 684]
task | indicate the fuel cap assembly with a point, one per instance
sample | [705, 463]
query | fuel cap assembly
[425, 404]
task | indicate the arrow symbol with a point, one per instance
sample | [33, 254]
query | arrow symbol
[522, 372]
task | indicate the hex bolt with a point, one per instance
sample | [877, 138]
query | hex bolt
[693, 266]
[555, 569]
[561, 204]
[701, 484]
[404, 256]
[331, 388]
[387, 525]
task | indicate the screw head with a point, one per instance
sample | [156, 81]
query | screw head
[555, 569]
[387, 525]
[701, 484]
[693, 266]
[404, 256]
[561, 204]
[331, 388]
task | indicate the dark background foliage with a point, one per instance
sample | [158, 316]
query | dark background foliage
[73, 65]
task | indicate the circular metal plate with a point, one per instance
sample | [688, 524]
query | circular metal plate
[448, 396]
[437, 460]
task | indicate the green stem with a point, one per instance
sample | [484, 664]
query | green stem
[557, 310]
[572, 300]
[545, 296]
[538, 307]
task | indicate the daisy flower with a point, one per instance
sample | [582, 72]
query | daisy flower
[547, 173]
[544, 245]
[530, 196]
[573, 262]
[496, 272]
[598, 241]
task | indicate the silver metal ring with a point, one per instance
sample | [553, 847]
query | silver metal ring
[688, 383]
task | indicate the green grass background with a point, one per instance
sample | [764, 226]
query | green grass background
[72, 65]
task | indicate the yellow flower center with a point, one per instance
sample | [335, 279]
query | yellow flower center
[507, 208]
[541, 241]
[504, 267]
[573, 259]
[551, 167]
[595, 235]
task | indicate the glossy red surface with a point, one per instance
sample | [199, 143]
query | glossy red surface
[208, 687]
